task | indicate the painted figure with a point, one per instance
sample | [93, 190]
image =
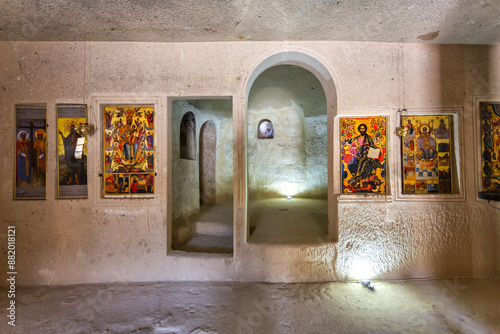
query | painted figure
[138, 138]
[149, 183]
[150, 140]
[150, 159]
[125, 184]
[108, 162]
[135, 184]
[362, 166]
[150, 119]
[411, 128]
[110, 187]
[73, 164]
[130, 135]
[426, 145]
[410, 145]
[40, 149]
[23, 156]
[442, 131]
[108, 140]
[109, 117]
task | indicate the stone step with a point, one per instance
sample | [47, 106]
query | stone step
[210, 230]
[213, 228]
[203, 243]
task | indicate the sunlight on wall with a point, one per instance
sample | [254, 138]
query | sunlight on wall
[361, 269]
[371, 260]
[287, 189]
[294, 162]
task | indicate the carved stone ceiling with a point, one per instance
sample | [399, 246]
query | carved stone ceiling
[416, 21]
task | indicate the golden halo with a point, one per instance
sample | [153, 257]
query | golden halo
[426, 126]
[38, 132]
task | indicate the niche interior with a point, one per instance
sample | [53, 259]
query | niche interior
[202, 175]
[287, 156]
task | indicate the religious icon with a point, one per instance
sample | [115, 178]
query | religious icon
[427, 151]
[128, 150]
[490, 146]
[363, 155]
[31, 152]
[71, 152]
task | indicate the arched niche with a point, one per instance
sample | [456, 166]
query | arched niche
[321, 72]
[208, 153]
[187, 137]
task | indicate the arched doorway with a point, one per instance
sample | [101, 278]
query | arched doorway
[303, 137]
[208, 147]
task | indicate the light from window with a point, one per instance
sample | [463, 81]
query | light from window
[265, 130]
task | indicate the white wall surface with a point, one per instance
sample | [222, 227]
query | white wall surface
[101, 240]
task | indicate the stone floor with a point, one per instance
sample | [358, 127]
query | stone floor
[282, 221]
[418, 306]
[271, 221]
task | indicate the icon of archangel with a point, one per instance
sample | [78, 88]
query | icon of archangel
[128, 150]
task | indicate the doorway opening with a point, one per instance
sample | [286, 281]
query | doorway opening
[202, 176]
[289, 176]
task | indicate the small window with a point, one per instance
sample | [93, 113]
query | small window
[265, 129]
[187, 137]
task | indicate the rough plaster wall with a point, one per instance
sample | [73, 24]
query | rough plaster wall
[277, 165]
[294, 162]
[224, 162]
[416, 240]
[185, 180]
[316, 155]
[277, 86]
[220, 112]
[99, 240]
